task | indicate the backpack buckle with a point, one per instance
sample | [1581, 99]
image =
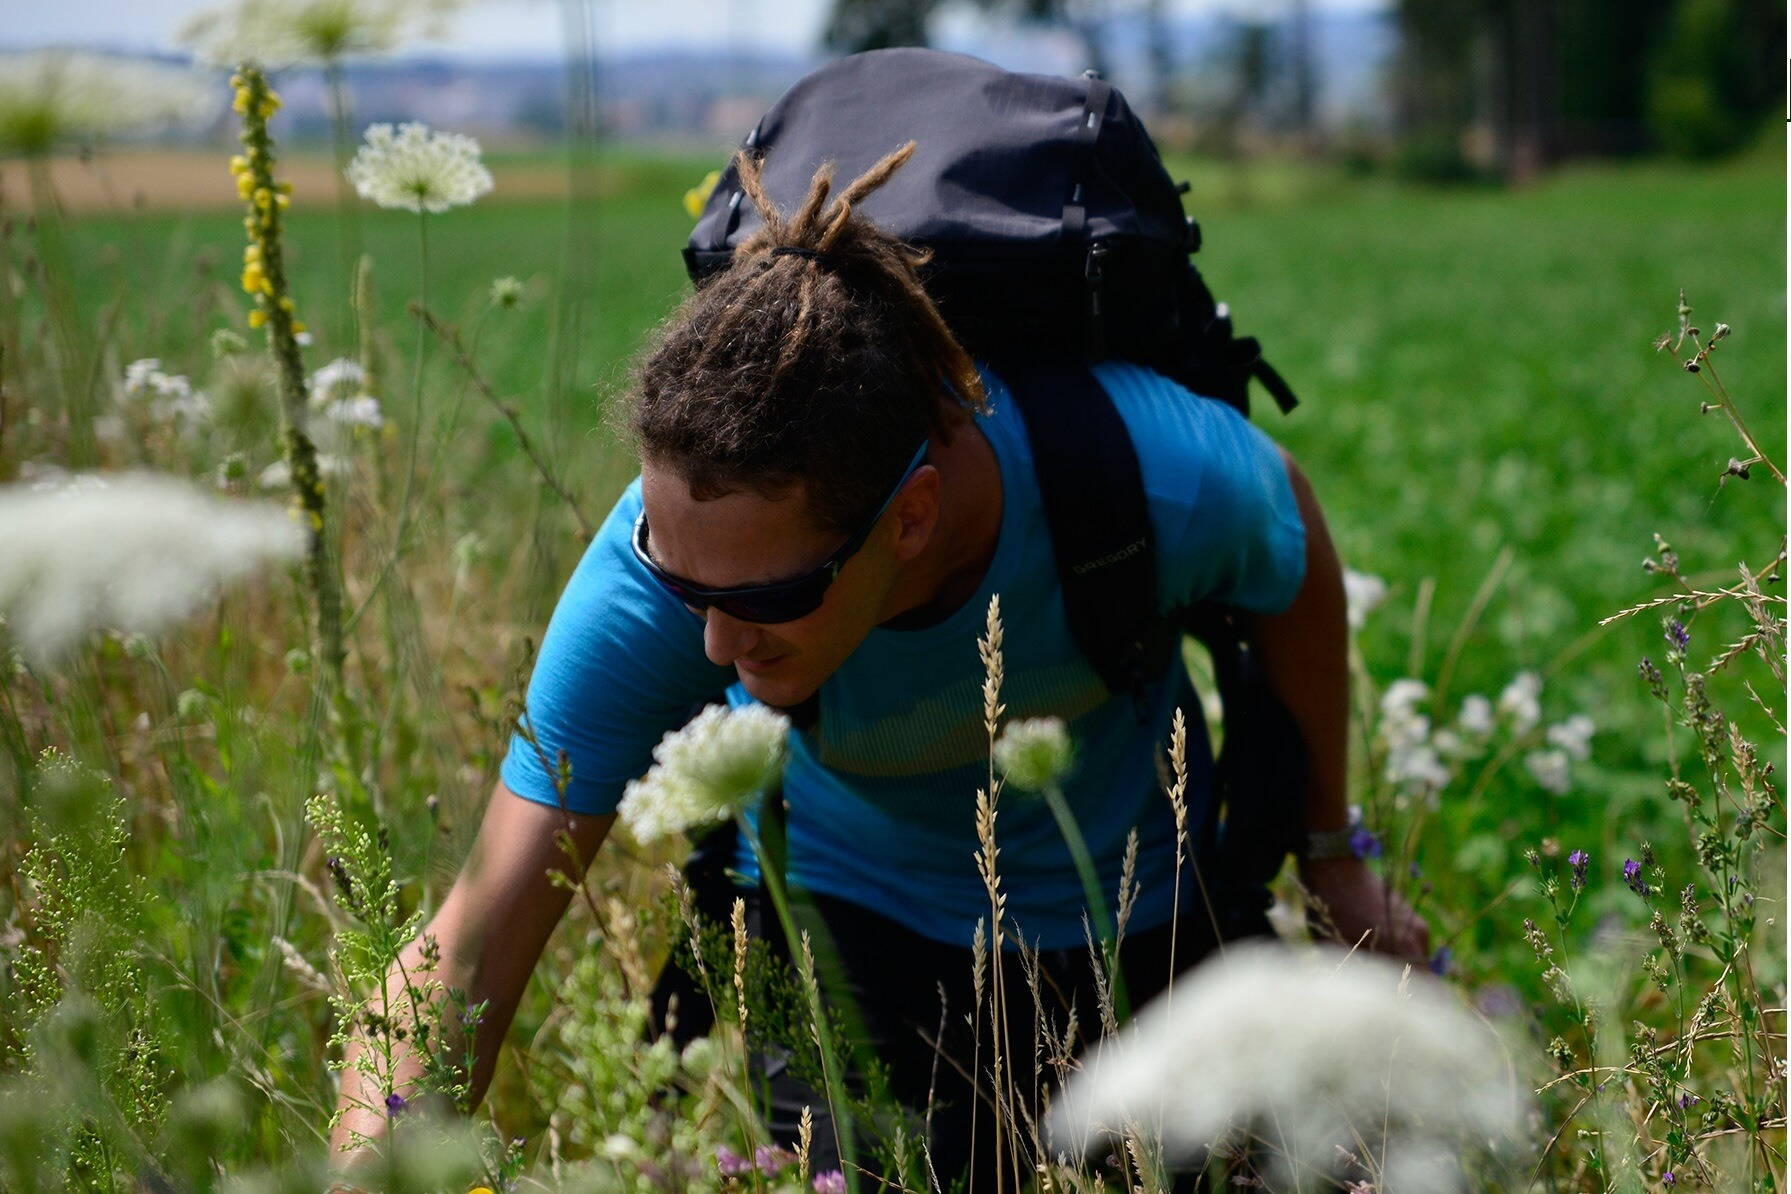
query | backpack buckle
[1093, 276]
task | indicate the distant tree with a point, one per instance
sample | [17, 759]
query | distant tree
[1302, 71]
[1159, 49]
[1705, 94]
[856, 25]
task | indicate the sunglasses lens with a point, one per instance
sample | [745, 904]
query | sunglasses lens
[783, 605]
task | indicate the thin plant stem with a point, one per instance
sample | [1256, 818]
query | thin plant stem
[771, 875]
[1091, 891]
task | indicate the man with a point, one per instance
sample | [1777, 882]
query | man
[831, 490]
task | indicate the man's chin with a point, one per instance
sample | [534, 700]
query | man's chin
[776, 691]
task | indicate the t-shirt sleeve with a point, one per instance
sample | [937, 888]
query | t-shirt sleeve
[1228, 527]
[621, 664]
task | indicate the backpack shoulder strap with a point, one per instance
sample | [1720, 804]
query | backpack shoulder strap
[1093, 494]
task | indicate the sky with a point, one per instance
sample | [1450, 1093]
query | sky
[509, 28]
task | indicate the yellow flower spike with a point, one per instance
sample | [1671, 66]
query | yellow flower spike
[251, 252]
[263, 196]
[254, 280]
[284, 188]
[283, 200]
[696, 197]
[257, 318]
[316, 521]
[238, 163]
[298, 329]
[245, 185]
[240, 105]
[479, 1190]
[286, 304]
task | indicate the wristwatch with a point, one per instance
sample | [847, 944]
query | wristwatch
[1325, 845]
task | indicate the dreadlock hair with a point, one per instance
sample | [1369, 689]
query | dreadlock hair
[816, 358]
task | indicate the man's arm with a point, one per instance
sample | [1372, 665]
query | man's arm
[1305, 654]
[490, 931]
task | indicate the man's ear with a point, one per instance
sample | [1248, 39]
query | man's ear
[916, 511]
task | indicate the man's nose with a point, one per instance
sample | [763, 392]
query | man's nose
[726, 638]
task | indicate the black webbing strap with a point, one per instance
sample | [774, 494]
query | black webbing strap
[1093, 494]
[1094, 114]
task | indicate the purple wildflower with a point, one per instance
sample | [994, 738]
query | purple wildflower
[1439, 961]
[1632, 875]
[1363, 843]
[770, 1160]
[1686, 1100]
[1667, 1179]
[1579, 860]
[1499, 1000]
[831, 1182]
[395, 1103]
[1678, 635]
[729, 1162]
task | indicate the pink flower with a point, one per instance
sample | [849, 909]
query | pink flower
[831, 1182]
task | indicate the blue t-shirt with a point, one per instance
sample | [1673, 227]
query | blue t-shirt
[882, 791]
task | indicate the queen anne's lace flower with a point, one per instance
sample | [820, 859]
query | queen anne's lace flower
[417, 169]
[1362, 593]
[1394, 1065]
[706, 772]
[135, 551]
[48, 97]
[277, 33]
[1034, 752]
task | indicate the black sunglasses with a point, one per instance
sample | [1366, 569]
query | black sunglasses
[780, 601]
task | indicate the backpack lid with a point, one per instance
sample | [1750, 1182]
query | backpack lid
[1002, 160]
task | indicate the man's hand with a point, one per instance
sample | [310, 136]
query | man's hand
[1362, 908]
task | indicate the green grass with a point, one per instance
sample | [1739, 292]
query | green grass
[1476, 373]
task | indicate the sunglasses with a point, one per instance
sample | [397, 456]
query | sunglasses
[780, 601]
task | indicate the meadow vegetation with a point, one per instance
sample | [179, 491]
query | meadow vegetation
[218, 838]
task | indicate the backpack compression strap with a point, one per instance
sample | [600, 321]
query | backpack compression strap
[1093, 494]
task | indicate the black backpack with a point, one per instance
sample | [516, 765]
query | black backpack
[1058, 239]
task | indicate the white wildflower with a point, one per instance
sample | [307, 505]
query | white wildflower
[1573, 736]
[1549, 769]
[506, 292]
[136, 551]
[707, 771]
[278, 475]
[360, 411]
[1362, 593]
[1034, 752]
[1403, 697]
[1449, 745]
[1394, 1065]
[166, 397]
[1417, 766]
[417, 169]
[1476, 716]
[1519, 701]
[278, 33]
[51, 97]
[341, 378]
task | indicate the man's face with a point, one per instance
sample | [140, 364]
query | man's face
[744, 538]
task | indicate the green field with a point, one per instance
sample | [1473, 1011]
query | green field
[1480, 397]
